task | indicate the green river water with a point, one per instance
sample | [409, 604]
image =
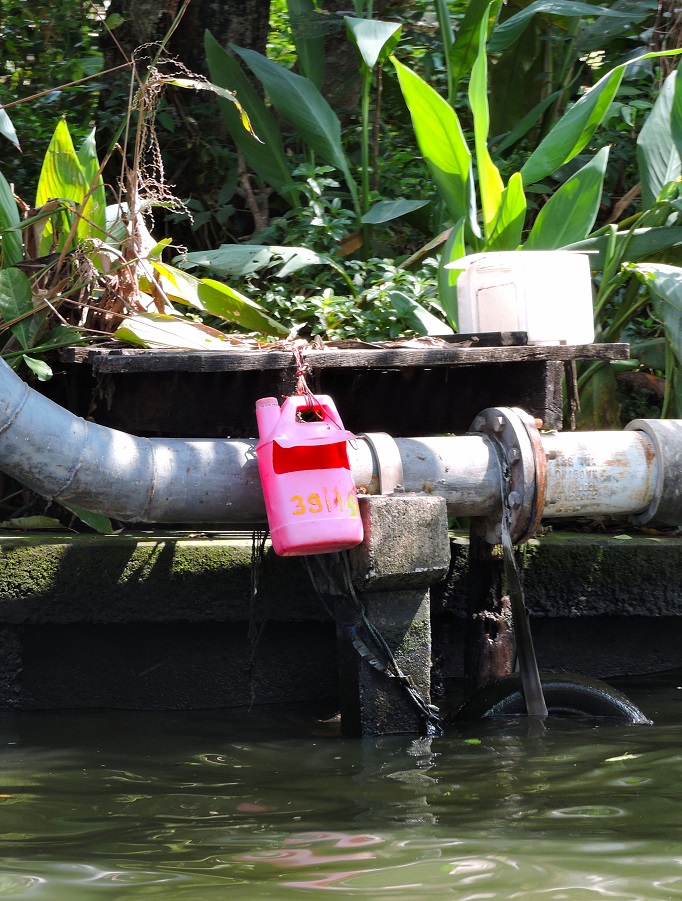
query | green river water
[197, 806]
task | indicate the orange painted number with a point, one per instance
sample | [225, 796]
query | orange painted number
[300, 506]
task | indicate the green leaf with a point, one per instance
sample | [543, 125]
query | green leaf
[267, 159]
[221, 300]
[453, 249]
[302, 105]
[650, 353]
[658, 156]
[160, 330]
[373, 39]
[10, 221]
[231, 259]
[511, 29]
[387, 210]
[599, 402]
[641, 244]
[308, 39]
[16, 300]
[96, 521]
[39, 368]
[662, 281]
[97, 209]
[575, 128]
[62, 177]
[418, 319]
[7, 129]
[465, 48]
[570, 213]
[508, 227]
[524, 125]
[441, 142]
[217, 299]
[489, 179]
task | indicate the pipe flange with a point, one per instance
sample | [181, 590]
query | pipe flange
[388, 460]
[516, 435]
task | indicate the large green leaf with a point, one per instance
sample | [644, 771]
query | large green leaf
[97, 209]
[524, 125]
[662, 281]
[303, 106]
[265, 156]
[658, 157]
[308, 39]
[575, 128]
[10, 221]
[605, 29]
[62, 177]
[464, 51]
[216, 299]
[489, 179]
[417, 317]
[441, 142]
[570, 213]
[453, 249]
[388, 210]
[518, 80]
[16, 300]
[373, 39]
[245, 259]
[599, 402]
[640, 245]
[7, 128]
[160, 330]
[508, 227]
[511, 29]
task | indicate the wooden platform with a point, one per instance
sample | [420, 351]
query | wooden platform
[410, 388]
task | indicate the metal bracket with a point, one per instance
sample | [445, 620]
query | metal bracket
[389, 461]
[516, 433]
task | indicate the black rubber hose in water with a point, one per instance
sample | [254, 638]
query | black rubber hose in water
[566, 694]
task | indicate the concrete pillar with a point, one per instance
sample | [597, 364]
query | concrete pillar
[405, 550]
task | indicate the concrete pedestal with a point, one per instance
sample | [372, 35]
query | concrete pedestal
[405, 550]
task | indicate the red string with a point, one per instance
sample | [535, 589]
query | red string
[302, 368]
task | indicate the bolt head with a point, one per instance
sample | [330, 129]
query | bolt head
[498, 424]
[514, 499]
[513, 454]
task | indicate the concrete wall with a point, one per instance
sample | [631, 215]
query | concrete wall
[154, 621]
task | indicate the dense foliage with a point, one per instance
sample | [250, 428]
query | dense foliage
[350, 165]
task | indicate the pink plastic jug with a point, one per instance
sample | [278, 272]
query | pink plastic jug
[310, 496]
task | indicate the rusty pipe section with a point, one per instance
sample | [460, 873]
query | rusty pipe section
[66, 458]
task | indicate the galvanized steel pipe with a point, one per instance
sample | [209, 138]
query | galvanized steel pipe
[66, 458]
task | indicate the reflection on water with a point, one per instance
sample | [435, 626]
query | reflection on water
[191, 805]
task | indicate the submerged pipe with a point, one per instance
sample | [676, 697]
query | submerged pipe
[68, 459]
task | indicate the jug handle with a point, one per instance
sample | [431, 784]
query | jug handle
[324, 403]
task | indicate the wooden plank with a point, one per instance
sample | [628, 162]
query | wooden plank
[131, 360]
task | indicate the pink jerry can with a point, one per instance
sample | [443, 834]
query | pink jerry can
[310, 496]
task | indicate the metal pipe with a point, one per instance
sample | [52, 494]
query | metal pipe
[598, 473]
[66, 458]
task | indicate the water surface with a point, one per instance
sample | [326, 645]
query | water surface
[194, 806]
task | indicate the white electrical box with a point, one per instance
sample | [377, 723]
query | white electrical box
[546, 293]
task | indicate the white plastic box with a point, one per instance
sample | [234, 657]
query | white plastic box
[546, 293]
